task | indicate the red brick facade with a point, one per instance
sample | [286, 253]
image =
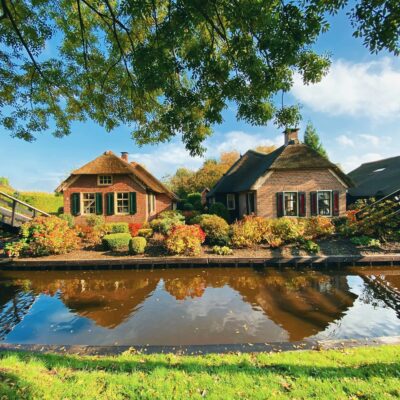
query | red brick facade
[121, 183]
[297, 181]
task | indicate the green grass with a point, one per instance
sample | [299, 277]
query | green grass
[48, 202]
[363, 373]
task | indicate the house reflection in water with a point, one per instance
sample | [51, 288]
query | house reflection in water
[297, 304]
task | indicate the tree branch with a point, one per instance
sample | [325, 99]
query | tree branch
[82, 29]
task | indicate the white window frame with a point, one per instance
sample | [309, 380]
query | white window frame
[100, 183]
[232, 196]
[83, 203]
[116, 203]
[297, 203]
[330, 203]
[212, 200]
[151, 203]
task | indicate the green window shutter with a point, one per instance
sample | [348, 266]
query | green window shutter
[110, 203]
[99, 203]
[279, 204]
[75, 203]
[132, 203]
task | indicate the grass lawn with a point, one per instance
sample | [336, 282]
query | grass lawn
[363, 373]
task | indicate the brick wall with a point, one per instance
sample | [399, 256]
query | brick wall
[121, 183]
[297, 181]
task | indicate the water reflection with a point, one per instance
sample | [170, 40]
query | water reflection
[186, 306]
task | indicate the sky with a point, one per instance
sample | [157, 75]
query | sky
[355, 109]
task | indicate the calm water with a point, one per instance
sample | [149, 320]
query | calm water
[194, 306]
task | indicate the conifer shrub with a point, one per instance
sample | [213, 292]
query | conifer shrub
[220, 210]
[137, 245]
[117, 241]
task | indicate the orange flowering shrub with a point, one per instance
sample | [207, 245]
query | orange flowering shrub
[318, 227]
[185, 240]
[250, 231]
[48, 235]
[90, 236]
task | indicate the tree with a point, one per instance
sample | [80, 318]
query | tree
[164, 67]
[312, 139]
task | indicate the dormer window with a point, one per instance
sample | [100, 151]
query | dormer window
[104, 180]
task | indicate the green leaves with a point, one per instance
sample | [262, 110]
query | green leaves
[165, 68]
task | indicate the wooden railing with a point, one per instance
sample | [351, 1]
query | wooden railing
[370, 209]
[15, 212]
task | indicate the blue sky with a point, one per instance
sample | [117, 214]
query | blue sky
[356, 110]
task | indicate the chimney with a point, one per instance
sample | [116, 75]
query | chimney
[124, 155]
[291, 136]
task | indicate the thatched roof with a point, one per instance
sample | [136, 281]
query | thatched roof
[110, 164]
[253, 164]
[378, 178]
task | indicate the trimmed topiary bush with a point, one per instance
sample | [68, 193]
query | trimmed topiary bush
[117, 227]
[137, 245]
[220, 210]
[215, 228]
[117, 241]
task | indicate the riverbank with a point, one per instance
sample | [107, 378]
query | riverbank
[371, 372]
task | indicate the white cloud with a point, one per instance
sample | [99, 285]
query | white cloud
[368, 90]
[167, 158]
[373, 140]
[242, 141]
[345, 141]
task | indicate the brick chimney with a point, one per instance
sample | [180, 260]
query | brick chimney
[124, 155]
[291, 136]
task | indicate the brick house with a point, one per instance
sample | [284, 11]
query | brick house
[293, 180]
[120, 190]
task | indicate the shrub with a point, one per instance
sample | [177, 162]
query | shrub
[185, 239]
[215, 228]
[310, 246]
[188, 207]
[190, 215]
[90, 236]
[48, 235]
[195, 200]
[346, 226]
[117, 241]
[220, 210]
[166, 221]
[117, 227]
[95, 221]
[250, 231]
[158, 238]
[69, 218]
[222, 250]
[146, 233]
[134, 228]
[318, 227]
[137, 245]
[15, 249]
[365, 241]
[287, 229]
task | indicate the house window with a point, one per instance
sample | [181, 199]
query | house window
[290, 203]
[324, 202]
[250, 203]
[212, 200]
[230, 201]
[89, 203]
[104, 180]
[122, 203]
[151, 202]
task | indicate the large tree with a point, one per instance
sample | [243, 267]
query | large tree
[166, 67]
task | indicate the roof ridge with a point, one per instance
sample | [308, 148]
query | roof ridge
[376, 161]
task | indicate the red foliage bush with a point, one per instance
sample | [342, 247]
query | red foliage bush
[134, 228]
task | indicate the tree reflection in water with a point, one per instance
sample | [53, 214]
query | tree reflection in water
[302, 303]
